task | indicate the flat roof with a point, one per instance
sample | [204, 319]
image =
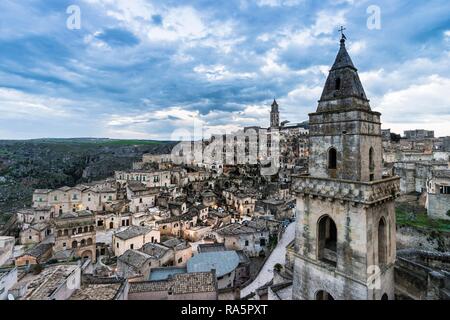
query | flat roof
[157, 274]
[223, 262]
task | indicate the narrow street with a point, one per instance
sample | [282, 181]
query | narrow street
[277, 256]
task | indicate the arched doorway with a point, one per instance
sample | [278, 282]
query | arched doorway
[382, 245]
[327, 240]
[86, 255]
[384, 297]
[323, 295]
[111, 225]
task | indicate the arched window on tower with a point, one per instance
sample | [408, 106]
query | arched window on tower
[337, 84]
[327, 240]
[332, 159]
[382, 243]
[371, 164]
[323, 295]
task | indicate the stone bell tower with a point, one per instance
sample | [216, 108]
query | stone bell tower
[274, 115]
[345, 233]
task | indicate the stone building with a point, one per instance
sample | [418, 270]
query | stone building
[419, 134]
[134, 237]
[8, 278]
[182, 251]
[54, 283]
[422, 275]
[94, 288]
[241, 201]
[414, 174]
[184, 286]
[6, 249]
[76, 232]
[274, 115]
[35, 233]
[134, 264]
[140, 196]
[73, 199]
[224, 263]
[345, 236]
[151, 178]
[253, 241]
[36, 255]
[438, 195]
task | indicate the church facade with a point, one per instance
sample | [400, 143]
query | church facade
[345, 244]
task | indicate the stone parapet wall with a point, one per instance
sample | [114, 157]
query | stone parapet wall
[344, 190]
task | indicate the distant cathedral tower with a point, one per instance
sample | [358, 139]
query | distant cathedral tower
[274, 115]
[345, 234]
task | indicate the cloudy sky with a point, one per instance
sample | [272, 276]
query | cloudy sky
[144, 69]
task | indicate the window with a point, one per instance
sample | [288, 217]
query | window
[180, 260]
[323, 295]
[75, 197]
[327, 240]
[332, 159]
[246, 243]
[131, 246]
[55, 198]
[382, 245]
[337, 84]
[371, 163]
[444, 189]
[64, 244]
[117, 245]
[110, 198]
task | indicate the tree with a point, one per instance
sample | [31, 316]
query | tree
[277, 267]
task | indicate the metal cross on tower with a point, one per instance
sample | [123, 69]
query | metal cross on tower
[341, 30]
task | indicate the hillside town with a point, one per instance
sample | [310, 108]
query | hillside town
[347, 196]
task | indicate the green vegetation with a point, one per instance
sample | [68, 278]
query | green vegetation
[129, 142]
[26, 165]
[420, 220]
[277, 267]
[36, 269]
